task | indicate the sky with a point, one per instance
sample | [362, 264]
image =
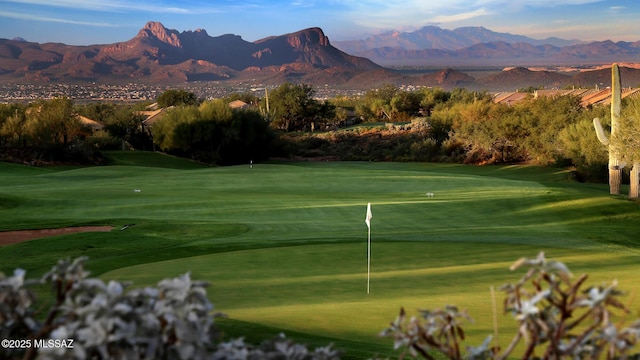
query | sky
[86, 22]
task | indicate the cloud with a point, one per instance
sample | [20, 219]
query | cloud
[32, 17]
[460, 16]
[396, 14]
[110, 6]
[422, 5]
[303, 4]
[616, 9]
[393, 14]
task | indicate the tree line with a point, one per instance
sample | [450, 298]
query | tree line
[385, 124]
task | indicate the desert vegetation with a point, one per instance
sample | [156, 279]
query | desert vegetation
[558, 317]
[91, 318]
[386, 124]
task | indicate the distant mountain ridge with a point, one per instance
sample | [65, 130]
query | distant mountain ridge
[434, 46]
[434, 37]
[506, 54]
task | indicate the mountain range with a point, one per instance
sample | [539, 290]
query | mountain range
[434, 46]
[160, 55]
[434, 37]
[157, 55]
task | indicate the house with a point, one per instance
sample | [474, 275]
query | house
[94, 125]
[151, 116]
[238, 104]
[509, 98]
[588, 97]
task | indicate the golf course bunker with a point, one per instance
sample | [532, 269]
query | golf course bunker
[17, 236]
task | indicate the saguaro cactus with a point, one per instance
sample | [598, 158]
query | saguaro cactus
[615, 165]
[634, 181]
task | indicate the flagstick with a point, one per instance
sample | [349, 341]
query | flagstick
[367, 220]
[368, 258]
[495, 318]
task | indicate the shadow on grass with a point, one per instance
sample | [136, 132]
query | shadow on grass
[255, 334]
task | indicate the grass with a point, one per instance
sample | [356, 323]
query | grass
[284, 244]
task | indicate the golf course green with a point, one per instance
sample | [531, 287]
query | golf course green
[283, 245]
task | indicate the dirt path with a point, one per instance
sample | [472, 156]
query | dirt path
[13, 237]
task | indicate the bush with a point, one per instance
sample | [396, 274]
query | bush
[558, 319]
[93, 319]
[424, 150]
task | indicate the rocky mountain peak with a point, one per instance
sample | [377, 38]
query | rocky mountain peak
[155, 30]
[308, 37]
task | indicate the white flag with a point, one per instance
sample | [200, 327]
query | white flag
[367, 219]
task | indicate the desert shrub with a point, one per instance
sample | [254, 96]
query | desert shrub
[101, 140]
[93, 319]
[580, 146]
[558, 317]
[424, 150]
[452, 151]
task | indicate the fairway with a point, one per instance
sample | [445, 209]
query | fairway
[284, 245]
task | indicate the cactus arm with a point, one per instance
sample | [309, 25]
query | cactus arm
[616, 98]
[600, 132]
[634, 183]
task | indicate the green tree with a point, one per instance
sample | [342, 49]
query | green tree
[125, 124]
[11, 125]
[385, 93]
[404, 104]
[347, 102]
[247, 97]
[214, 133]
[491, 132]
[377, 103]
[164, 130]
[100, 112]
[51, 123]
[431, 97]
[176, 98]
[206, 135]
[578, 144]
[248, 137]
[345, 108]
[462, 95]
[293, 108]
[216, 110]
[380, 108]
[546, 117]
[472, 129]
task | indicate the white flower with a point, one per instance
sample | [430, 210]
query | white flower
[529, 307]
[114, 288]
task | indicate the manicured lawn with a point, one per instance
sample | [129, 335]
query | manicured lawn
[283, 245]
